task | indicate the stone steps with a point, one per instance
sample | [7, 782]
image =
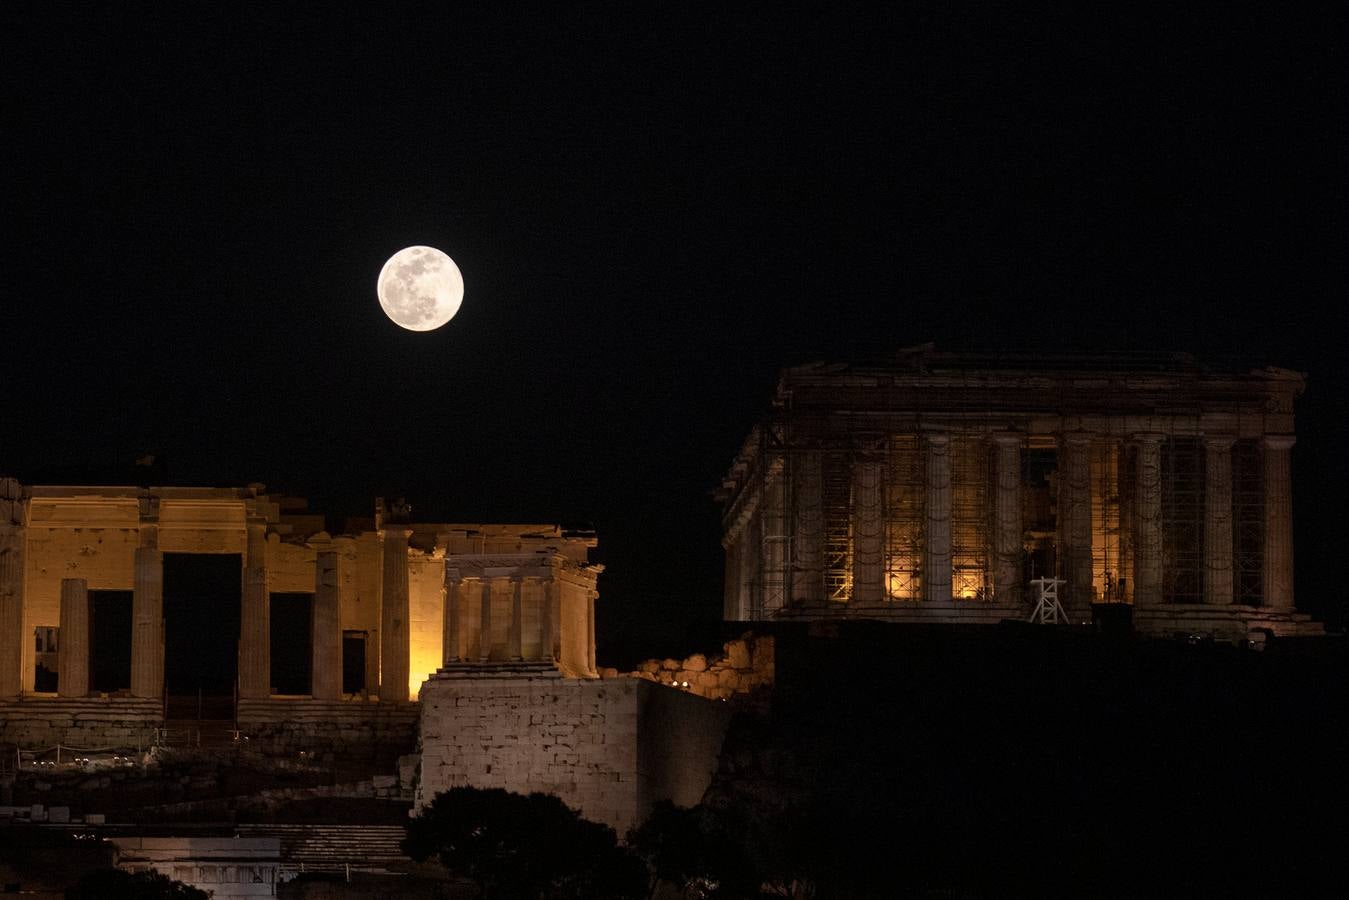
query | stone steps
[333, 847]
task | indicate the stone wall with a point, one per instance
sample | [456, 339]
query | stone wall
[744, 665]
[609, 749]
[87, 724]
[332, 731]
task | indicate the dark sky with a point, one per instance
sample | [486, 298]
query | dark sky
[655, 206]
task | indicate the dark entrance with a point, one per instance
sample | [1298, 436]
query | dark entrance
[201, 634]
[110, 641]
[353, 662]
[291, 659]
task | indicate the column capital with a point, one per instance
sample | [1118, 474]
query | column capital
[936, 439]
[1008, 438]
[1147, 437]
[1219, 441]
[1078, 438]
[395, 533]
[1278, 441]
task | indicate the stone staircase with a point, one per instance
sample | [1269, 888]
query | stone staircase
[336, 848]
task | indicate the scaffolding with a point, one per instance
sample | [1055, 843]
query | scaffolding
[1248, 519]
[971, 519]
[905, 516]
[1183, 520]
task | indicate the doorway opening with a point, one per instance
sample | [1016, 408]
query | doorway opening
[291, 644]
[110, 642]
[353, 661]
[201, 634]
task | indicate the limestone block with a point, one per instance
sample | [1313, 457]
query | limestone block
[708, 680]
[737, 654]
[608, 672]
[670, 665]
[728, 678]
[650, 667]
[696, 663]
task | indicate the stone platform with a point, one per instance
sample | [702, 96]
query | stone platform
[609, 749]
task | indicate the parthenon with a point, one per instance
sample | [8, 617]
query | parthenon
[934, 486]
[103, 596]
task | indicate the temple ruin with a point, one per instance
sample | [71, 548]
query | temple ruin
[123, 606]
[933, 487]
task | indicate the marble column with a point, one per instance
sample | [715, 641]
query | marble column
[1218, 520]
[1148, 520]
[1075, 507]
[326, 629]
[553, 594]
[12, 541]
[868, 537]
[147, 617]
[591, 597]
[451, 651]
[1007, 530]
[485, 622]
[72, 656]
[515, 635]
[748, 557]
[937, 536]
[808, 546]
[545, 624]
[255, 618]
[394, 634]
[1278, 521]
[775, 536]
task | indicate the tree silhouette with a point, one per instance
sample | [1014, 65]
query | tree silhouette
[531, 847]
[115, 884]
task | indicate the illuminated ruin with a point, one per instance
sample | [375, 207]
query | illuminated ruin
[935, 486]
[129, 604]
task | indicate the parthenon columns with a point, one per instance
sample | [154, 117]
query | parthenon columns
[1218, 520]
[808, 547]
[72, 660]
[775, 536]
[255, 615]
[543, 597]
[11, 588]
[326, 626]
[1075, 509]
[147, 616]
[937, 558]
[1278, 522]
[553, 600]
[1007, 531]
[1148, 521]
[394, 633]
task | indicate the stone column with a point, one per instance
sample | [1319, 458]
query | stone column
[452, 652]
[1075, 507]
[1218, 520]
[255, 618]
[147, 617]
[808, 546]
[394, 635]
[937, 543]
[868, 537]
[326, 629]
[1007, 530]
[748, 557]
[591, 597]
[1278, 522]
[485, 621]
[1148, 520]
[515, 635]
[12, 540]
[72, 659]
[553, 593]
[540, 593]
[775, 536]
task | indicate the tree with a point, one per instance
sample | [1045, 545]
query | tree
[517, 846]
[115, 884]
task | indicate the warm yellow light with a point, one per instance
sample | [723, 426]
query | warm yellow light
[420, 288]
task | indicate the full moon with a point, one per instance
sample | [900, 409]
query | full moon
[420, 288]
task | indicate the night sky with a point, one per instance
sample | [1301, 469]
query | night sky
[655, 207]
